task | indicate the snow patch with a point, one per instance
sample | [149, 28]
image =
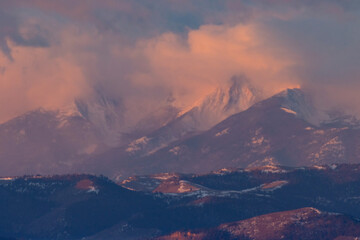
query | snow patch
[38, 185]
[202, 193]
[274, 185]
[129, 180]
[319, 132]
[258, 143]
[224, 171]
[93, 189]
[87, 184]
[319, 167]
[186, 187]
[334, 148]
[137, 144]
[289, 111]
[232, 97]
[267, 161]
[225, 131]
[315, 210]
[333, 166]
[300, 104]
[7, 179]
[257, 140]
[267, 169]
[164, 176]
[175, 150]
[64, 114]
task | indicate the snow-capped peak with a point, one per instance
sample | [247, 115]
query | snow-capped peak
[235, 96]
[104, 113]
[296, 102]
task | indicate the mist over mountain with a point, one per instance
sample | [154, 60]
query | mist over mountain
[286, 129]
[62, 140]
[201, 120]
[231, 127]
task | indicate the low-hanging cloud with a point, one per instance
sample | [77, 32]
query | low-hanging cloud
[206, 57]
[143, 53]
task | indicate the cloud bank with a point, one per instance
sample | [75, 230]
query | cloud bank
[144, 53]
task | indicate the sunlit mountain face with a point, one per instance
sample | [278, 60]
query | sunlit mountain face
[180, 120]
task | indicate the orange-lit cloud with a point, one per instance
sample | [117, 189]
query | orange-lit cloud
[143, 52]
[144, 75]
[37, 78]
[211, 55]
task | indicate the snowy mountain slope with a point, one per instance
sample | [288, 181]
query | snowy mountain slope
[274, 131]
[151, 122]
[53, 141]
[278, 130]
[45, 142]
[285, 129]
[107, 115]
[56, 141]
[295, 101]
[104, 113]
[236, 96]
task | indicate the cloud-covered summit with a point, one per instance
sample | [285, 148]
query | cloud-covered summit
[143, 52]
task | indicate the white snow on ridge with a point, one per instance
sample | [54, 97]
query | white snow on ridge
[273, 185]
[257, 140]
[267, 169]
[7, 179]
[225, 171]
[315, 210]
[186, 191]
[136, 144]
[185, 187]
[92, 189]
[319, 167]
[319, 132]
[175, 150]
[333, 148]
[65, 113]
[164, 176]
[225, 131]
[333, 166]
[296, 101]
[325, 167]
[289, 111]
[215, 193]
[235, 96]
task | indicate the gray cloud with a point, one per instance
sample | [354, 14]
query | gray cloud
[15, 28]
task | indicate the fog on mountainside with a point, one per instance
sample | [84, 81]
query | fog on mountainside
[231, 127]
[179, 120]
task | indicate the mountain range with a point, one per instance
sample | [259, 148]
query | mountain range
[286, 129]
[234, 126]
[234, 165]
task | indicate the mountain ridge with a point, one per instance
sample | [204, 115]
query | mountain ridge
[273, 131]
[285, 129]
[302, 201]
